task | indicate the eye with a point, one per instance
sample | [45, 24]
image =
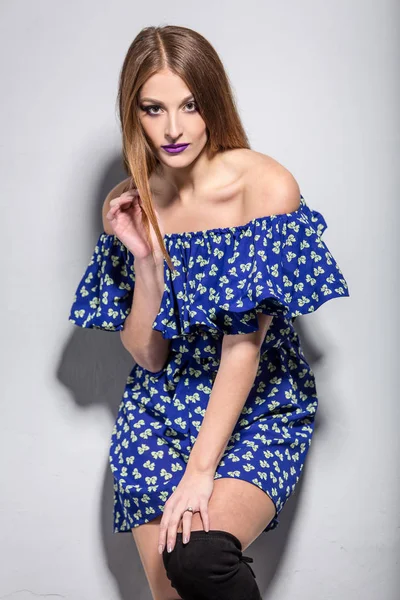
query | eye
[147, 109]
[194, 105]
[152, 107]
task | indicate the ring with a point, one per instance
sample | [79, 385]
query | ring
[189, 508]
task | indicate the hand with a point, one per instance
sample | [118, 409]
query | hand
[126, 219]
[194, 489]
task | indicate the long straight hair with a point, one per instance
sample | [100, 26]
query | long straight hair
[190, 56]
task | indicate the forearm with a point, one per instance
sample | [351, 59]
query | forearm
[231, 388]
[146, 345]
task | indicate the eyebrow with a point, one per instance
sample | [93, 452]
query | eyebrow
[190, 97]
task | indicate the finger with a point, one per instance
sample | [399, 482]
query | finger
[131, 192]
[163, 528]
[118, 207]
[112, 212]
[125, 198]
[162, 536]
[204, 514]
[172, 529]
[186, 526]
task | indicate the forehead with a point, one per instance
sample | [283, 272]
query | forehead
[165, 86]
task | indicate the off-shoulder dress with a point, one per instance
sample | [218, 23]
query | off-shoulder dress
[278, 265]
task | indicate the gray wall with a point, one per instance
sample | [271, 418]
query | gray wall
[318, 89]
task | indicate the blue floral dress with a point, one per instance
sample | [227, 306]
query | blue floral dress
[278, 265]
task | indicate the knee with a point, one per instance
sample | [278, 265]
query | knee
[210, 565]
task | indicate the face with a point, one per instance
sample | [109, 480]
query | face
[169, 115]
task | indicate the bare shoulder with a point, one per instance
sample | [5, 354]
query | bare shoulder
[269, 187]
[114, 193]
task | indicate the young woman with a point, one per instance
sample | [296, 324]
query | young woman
[209, 252]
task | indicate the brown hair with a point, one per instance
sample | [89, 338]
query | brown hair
[190, 56]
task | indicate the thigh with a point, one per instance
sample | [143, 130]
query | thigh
[239, 507]
[146, 539]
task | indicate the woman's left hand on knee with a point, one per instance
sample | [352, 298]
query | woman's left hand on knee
[194, 490]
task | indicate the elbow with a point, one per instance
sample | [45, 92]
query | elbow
[149, 365]
[146, 360]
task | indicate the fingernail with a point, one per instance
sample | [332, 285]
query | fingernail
[169, 549]
[160, 549]
[185, 539]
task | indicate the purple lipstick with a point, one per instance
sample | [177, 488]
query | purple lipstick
[175, 148]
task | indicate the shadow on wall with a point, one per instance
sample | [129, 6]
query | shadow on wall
[268, 549]
[94, 366]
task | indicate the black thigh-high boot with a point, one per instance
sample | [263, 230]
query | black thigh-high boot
[211, 566]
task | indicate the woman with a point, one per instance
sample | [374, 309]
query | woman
[209, 252]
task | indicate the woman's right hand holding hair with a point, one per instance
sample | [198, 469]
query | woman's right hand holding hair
[126, 219]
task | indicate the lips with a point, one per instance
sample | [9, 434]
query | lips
[175, 148]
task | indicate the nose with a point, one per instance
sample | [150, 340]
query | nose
[174, 129]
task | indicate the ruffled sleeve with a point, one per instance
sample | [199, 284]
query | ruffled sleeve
[309, 275]
[278, 265]
[103, 297]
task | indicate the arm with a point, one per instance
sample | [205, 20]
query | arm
[241, 353]
[240, 358]
[146, 345]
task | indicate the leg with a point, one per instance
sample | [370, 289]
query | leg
[146, 539]
[235, 506]
[211, 565]
[239, 507]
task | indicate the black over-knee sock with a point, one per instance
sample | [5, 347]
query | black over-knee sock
[211, 566]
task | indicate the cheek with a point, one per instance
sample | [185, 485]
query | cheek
[198, 128]
[149, 128]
